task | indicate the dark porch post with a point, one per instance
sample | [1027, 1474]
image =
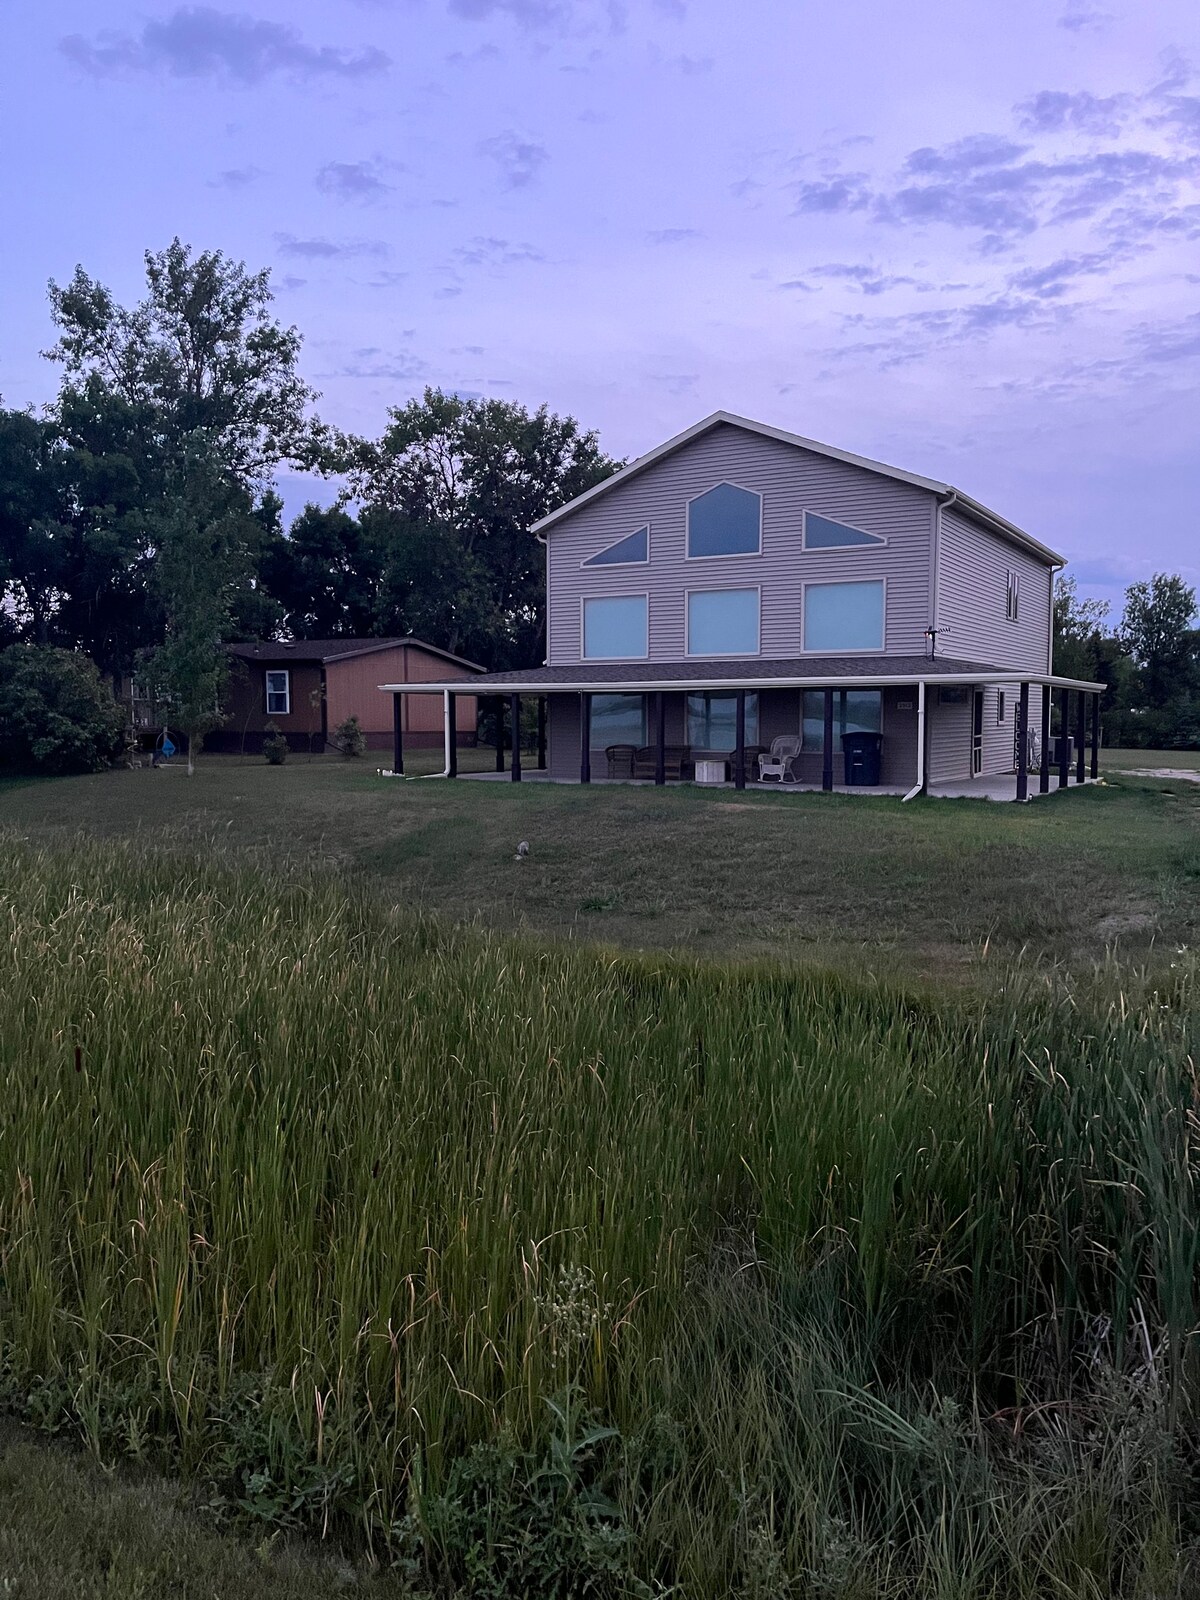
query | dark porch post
[1044, 774]
[1064, 764]
[585, 738]
[397, 736]
[1080, 735]
[1023, 743]
[660, 738]
[1095, 736]
[739, 754]
[827, 760]
[541, 732]
[514, 704]
[452, 740]
[499, 733]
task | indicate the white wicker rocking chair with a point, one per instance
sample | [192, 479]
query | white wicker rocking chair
[777, 762]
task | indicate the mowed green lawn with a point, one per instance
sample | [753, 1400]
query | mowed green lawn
[934, 888]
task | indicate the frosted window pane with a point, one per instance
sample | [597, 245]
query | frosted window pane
[722, 622]
[614, 626]
[843, 616]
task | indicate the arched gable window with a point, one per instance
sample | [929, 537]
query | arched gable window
[724, 521]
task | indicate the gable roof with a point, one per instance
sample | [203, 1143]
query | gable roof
[990, 519]
[327, 650]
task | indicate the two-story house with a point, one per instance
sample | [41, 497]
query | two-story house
[740, 584]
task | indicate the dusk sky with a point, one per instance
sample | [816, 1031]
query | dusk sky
[962, 236]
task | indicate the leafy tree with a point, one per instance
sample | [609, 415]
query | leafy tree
[449, 494]
[33, 504]
[199, 355]
[1156, 629]
[207, 537]
[57, 714]
[324, 576]
[1078, 631]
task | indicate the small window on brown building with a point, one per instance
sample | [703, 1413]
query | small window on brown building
[279, 694]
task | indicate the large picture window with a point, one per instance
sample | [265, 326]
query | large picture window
[712, 721]
[854, 711]
[722, 622]
[725, 521]
[279, 694]
[843, 616]
[618, 719]
[615, 627]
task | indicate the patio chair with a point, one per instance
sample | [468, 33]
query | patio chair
[777, 762]
[677, 759]
[620, 759]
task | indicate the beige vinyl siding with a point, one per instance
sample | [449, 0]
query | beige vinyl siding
[790, 480]
[973, 566]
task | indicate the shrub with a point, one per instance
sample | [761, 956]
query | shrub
[349, 738]
[275, 746]
[57, 714]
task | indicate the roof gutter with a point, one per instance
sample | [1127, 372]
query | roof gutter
[695, 685]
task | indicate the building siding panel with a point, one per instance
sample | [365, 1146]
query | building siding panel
[352, 688]
[790, 480]
[972, 566]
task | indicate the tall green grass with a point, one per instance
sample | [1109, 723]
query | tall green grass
[554, 1272]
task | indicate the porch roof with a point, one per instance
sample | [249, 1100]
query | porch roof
[799, 672]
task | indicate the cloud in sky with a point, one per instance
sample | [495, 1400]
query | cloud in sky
[236, 177]
[352, 180]
[484, 251]
[520, 160]
[199, 42]
[1134, 170]
[320, 249]
[645, 211]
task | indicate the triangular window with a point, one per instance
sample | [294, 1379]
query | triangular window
[634, 547]
[822, 534]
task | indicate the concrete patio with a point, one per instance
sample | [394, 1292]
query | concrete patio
[994, 786]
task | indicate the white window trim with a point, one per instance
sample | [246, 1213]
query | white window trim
[824, 583]
[733, 555]
[641, 594]
[286, 675]
[721, 655]
[590, 561]
[876, 539]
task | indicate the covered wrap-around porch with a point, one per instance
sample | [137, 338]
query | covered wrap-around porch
[940, 723]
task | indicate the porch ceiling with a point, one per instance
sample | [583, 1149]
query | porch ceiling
[800, 672]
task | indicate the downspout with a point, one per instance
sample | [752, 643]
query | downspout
[545, 544]
[920, 783]
[445, 772]
[1054, 572]
[935, 596]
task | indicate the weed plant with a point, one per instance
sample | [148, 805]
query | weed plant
[545, 1271]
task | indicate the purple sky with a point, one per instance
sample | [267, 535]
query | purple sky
[961, 236]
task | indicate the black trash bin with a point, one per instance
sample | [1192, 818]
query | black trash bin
[862, 753]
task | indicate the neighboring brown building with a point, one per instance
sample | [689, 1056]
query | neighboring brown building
[308, 686]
